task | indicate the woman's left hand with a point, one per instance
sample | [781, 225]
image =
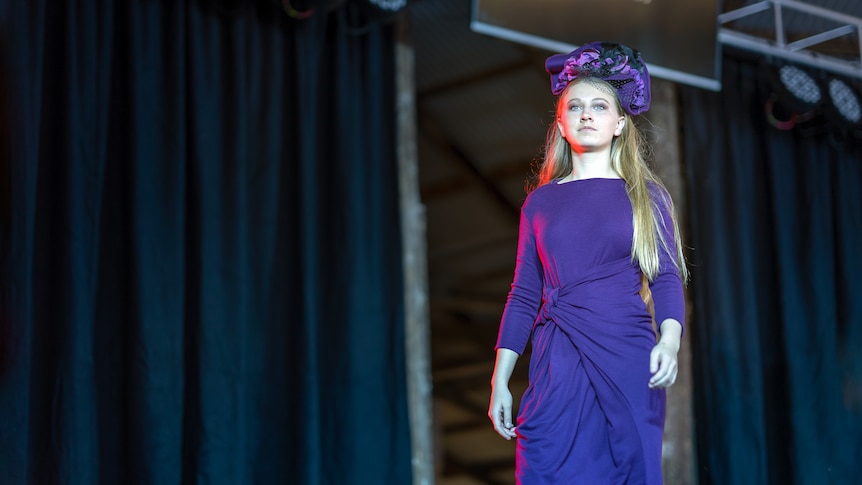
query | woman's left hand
[662, 360]
[663, 366]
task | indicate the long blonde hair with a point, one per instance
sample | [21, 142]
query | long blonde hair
[629, 153]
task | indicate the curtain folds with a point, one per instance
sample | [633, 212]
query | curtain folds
[776, 219]
[201, 265]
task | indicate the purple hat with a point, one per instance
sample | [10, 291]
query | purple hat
[622, 67]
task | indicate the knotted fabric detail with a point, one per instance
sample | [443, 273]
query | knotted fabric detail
[550, 297]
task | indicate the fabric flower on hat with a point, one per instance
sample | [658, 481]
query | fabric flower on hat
[619, 65]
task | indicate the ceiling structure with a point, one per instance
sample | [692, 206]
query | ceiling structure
[483, 105]
[824, 34]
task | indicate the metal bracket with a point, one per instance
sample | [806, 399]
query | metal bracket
[800, 50]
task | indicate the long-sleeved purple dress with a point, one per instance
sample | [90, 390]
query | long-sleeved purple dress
[588, 415]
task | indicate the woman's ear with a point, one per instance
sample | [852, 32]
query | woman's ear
[620, 125]
[560, 127]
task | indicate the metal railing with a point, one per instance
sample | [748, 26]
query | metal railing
[799, 50]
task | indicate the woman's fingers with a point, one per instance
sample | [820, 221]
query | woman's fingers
[663, 366]
[501, 418]
[504, 425]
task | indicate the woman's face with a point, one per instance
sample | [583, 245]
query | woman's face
[588, 118]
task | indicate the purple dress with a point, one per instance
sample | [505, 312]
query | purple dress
[588, 415]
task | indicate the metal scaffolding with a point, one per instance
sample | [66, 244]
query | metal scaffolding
[803, 51]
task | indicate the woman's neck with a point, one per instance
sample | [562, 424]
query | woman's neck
[591, 165]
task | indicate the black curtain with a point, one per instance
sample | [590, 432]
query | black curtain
[776, 224]
[201, 254]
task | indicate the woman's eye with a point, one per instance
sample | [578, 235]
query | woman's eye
[576, 107]
[599, 107]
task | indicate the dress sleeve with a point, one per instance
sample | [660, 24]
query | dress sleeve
[525, 295]
[666, 288]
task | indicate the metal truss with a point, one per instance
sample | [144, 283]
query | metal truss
[801, 50]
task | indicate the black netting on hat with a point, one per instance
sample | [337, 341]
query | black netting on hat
[618, 83]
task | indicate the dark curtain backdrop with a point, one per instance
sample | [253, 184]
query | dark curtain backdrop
[201, 253]
[776, 224]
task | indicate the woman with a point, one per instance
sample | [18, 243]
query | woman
[598, 221]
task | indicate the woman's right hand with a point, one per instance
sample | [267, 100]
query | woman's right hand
[500, 412]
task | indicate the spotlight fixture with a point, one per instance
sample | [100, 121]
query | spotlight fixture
[803, 92]
[389, 5]
[845, 102]
[812, 102]
[374, 12]
[795, 96]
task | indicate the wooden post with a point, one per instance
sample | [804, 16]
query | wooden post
[678, 457]
[416, 313]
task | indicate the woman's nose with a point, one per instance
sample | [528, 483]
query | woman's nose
[586, 115]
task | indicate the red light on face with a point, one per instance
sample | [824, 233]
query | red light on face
[577, 147]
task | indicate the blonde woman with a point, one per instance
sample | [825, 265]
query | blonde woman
[595, 224]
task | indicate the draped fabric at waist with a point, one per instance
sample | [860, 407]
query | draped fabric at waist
[607, 286]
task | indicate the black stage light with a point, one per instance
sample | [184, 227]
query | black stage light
[795, 96]
[801, 92]
[389, 5]
[844, 102]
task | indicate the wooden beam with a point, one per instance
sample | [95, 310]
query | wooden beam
[455, 184]
[432, 129]
[479, 77]
[416, 315]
